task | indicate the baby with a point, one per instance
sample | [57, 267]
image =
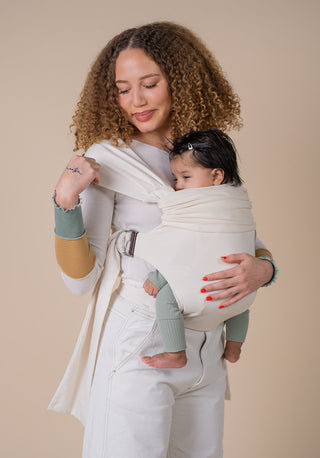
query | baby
[199, 159]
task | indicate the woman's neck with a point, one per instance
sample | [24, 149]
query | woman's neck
[153, 139]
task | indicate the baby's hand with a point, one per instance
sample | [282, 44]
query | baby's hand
[150, 288]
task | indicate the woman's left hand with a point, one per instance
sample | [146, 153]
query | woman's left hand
[238, 281]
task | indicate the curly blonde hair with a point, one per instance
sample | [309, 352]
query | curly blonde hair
[202, 98]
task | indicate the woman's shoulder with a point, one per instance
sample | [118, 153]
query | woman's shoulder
[96, 149]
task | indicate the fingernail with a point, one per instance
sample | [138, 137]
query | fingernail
[205, 278]
[223, 257]
[209, 298]
[202, 290]
[221, 306]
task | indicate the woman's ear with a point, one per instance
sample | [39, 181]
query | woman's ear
[217, 176]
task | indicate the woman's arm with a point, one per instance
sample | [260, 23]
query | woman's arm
[82, 232]
[250, 274]
[81, 259]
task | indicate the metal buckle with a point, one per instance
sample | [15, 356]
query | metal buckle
[132, 244]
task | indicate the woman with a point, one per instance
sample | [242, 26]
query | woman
[149, 85]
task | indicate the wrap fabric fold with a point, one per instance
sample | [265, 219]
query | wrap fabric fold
[73, 393]
[125, 172]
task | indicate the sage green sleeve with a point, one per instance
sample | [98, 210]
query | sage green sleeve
[169, 318]
[157, 279]
[237, 327]
[68, 223]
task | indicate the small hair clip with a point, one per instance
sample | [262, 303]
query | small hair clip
[190, 147]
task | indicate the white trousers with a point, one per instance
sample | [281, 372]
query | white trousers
[141, 412]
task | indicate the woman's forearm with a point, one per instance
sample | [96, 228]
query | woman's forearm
[73, 251]
[271, 272]
[81, 236]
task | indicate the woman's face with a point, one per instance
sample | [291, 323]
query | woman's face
[143, 94]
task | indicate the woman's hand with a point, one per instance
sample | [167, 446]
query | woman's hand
[239, 281]
[76, 177]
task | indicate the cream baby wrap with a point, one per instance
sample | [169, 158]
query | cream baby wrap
[182, 248]
[198, 227]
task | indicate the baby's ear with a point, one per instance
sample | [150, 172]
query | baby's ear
[217, 176]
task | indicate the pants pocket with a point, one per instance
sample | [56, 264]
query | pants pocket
[137, 329]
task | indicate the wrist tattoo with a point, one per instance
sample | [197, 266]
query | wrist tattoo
[76, 170]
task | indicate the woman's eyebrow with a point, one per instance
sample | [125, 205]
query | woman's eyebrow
[142, 77]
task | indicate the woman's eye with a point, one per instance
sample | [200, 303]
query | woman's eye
[123, 91]
[149, 86]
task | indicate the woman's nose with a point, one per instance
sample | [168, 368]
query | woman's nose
[138, 98]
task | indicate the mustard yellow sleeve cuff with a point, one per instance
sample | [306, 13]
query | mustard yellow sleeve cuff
[75, 256]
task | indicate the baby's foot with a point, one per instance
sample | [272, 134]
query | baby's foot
[166, 360]
[232, 351]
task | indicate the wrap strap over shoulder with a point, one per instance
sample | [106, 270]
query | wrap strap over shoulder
[123, 171]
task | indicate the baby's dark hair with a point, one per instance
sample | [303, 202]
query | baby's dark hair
[212, 149]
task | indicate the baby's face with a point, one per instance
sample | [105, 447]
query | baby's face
[188, 174]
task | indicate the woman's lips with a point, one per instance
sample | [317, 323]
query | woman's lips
[144, 115]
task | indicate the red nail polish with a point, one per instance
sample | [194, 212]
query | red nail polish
[202, 290]
[205, 278]
[223, 257]
[209, 298]
[221, 306]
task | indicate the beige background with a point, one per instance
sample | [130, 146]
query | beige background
[269, 50]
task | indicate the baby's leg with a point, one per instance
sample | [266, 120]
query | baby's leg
[236, 331]
[171, 328]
